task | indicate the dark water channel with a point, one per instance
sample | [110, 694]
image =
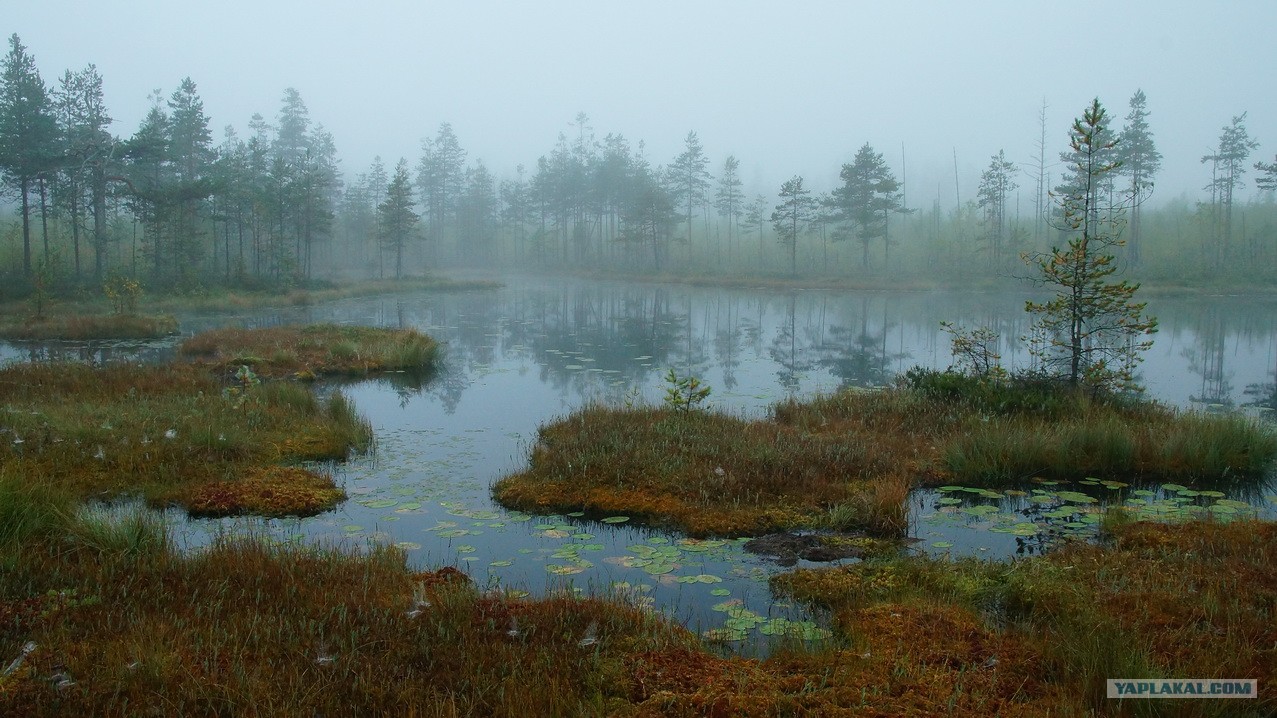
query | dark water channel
[536, 349]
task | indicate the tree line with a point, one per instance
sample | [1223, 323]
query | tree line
[174, 208]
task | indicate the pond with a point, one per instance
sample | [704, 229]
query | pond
[536, 349]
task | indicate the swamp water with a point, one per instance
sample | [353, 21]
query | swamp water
[537, 349]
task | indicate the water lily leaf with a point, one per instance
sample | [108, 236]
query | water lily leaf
[775, 627]
[983, 510]
[582, 536]
[1212, 494]
[808, 631]
[1143, 492]
[409, 506]
[941, 544]
[352, 528]
[577, 514]
[657, 569]
[1077, 497]
[727, 605]
[502, 563]
[466, 548]
[708, 578]
[720, 592]
[555, 533]
[1173, 487]
[616, 519]
[687, 579]
[949, 502]
[563, 570]
[593, 547]
[952, 488]
[658, 540]
[408, 545]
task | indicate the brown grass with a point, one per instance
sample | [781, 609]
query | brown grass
[65, 326]
[312, 350]
[170, 433]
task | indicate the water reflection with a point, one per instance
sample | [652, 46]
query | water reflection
[517, 357]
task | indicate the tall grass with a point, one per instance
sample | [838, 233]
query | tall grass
[313, 350]
[29, 510]
[131, 530]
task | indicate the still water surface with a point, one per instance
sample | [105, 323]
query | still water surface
[536, 349]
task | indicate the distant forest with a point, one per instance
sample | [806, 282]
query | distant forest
[177, 209]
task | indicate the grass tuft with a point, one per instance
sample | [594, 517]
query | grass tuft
[313, 350]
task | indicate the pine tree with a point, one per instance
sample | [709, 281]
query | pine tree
[996, 184]
[396, 219]
[1140, 162]
[688, 178]
[867, 197]
[729, 200]
[28, 134]
[1228, 167]
[1092, 331]
[795, 210]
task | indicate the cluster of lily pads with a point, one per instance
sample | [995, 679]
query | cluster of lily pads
[740, 621]
[1049, 510]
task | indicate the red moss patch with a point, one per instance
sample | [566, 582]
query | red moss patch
[268, 491]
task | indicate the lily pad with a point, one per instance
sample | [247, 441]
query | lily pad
[719, 592]
[941, 544]
[616, 519]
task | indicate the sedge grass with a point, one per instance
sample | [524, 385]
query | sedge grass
[72, 326]
[847, 460]
[313, 350]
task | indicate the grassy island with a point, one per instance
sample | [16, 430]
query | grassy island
[312, 350]
[172, 434]
[847, 460]
[89, 326]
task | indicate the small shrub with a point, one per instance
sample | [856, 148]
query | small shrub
[684, 393]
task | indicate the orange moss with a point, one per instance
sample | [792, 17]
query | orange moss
[265, 491]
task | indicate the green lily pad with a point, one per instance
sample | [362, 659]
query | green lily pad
[352, 528]
[1174, 487]
[563, 570]
[577, 514]
[616, 519]
[719, 592]
[941, 544]
[502, 563]
[949, 502]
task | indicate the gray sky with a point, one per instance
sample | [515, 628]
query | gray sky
[788, 87]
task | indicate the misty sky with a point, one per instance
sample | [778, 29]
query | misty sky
[788, 87]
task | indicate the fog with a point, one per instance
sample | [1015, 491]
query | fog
[788, 90]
